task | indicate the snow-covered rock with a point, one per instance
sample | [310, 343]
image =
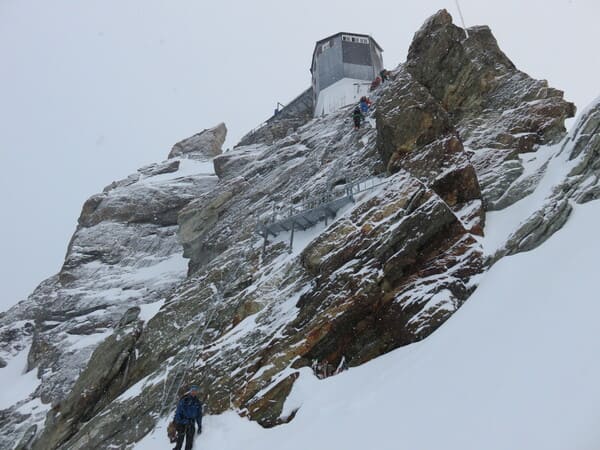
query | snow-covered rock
[124, 254]
[456, 134]
[206, 144]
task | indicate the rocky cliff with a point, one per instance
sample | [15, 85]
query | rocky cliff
[456, 133]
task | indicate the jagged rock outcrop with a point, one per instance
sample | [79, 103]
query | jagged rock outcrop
[414, 133]
[232, 163]
[197, 224]
[498, 111]
[206, 144]
[108, 365]
[583, 147]
[577, 166]
[446, 141]
[124, 254]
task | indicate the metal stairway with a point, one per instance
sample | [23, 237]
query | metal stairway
[314, 209]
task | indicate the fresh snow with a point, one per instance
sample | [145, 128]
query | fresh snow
[162, 271]
[149, 310]
[515, 368]
[80, 341]
[187, 168]
[501, 224]
[17, 384]
[139, 387]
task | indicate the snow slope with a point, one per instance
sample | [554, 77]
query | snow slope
[515, 368]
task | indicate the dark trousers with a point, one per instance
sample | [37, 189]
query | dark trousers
[356, 122]
[187, 432]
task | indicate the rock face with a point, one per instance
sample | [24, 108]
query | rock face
[583, 147]
[476, 84]
[108, 365]
[457, 130]
[415, 134]
[577, 163]
[124, 254]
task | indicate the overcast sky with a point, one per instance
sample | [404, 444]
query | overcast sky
[92, 90]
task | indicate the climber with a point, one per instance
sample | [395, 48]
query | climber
[189, 411]
[357, 117]
[365, 104]
[385, 75]
[375, 84]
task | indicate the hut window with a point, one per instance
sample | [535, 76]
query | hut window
[359, 40]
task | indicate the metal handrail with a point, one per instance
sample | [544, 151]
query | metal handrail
[307, 205]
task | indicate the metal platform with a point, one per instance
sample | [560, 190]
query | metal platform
[314, 210]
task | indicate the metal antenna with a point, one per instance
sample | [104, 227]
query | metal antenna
[461, 17]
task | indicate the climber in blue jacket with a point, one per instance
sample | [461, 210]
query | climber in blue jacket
[364, 104]
[188, 413]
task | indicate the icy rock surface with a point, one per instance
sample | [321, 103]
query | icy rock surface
[498, 111]
[570, 174]
[457, 132]
[124, 255]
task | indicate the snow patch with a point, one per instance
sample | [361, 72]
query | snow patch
[149, 310]
[17, 384]
[80, 341]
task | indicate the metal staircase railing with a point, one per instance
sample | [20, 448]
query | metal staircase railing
[314, 209]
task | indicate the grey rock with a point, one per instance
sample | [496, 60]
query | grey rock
[144, 202]
[514, 188]
[497, 110]
[127, 234]
[199, 218]
[582, 147]
[204, 145]
[27, 439]
[130, 316]
[496, 187]
[108, 364]
[538, 228]
[131, 179]
[160, 168]
[233, 162]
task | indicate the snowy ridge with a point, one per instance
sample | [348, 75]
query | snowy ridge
[421, 288]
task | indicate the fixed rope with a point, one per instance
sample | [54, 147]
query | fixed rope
[313, 210]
